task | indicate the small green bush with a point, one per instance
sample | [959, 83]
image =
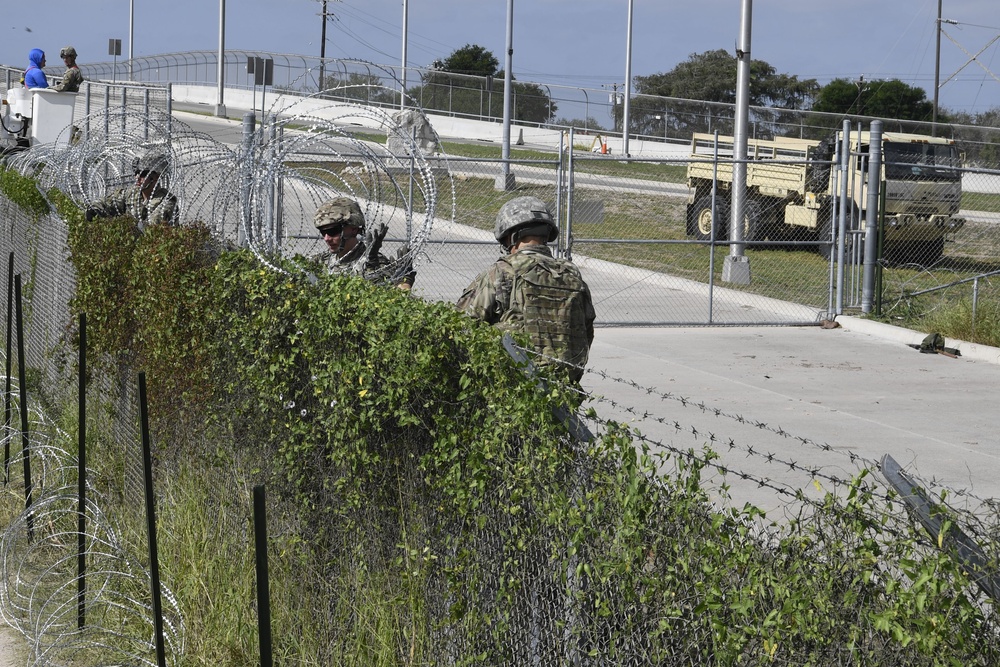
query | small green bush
[23, 191]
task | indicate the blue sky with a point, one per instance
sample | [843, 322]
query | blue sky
[570, 42]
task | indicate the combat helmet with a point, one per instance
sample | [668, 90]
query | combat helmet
[154, 161]
[339, 211]
[67, 52]
[524, 216]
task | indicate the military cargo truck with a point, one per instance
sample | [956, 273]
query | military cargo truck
[793, 191]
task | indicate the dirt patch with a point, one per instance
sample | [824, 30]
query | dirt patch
[13, 648]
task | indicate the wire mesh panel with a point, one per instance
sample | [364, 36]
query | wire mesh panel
[594, 556]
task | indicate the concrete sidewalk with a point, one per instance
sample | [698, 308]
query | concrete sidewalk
[815, 397]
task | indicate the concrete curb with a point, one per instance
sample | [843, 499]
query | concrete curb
[971, 351]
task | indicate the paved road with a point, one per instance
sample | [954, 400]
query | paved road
[858, 388]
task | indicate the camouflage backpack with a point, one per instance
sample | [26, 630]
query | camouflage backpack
[934, 344]
[547, 299]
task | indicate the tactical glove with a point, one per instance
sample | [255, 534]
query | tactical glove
[405, 275]
[378, 234]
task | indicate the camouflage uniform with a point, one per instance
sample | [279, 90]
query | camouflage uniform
[160, 207]
[376, 267]
[71, 80]
[346, 263]
[558, 331]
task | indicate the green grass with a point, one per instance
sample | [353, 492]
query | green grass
[981, 201]
[586, 164]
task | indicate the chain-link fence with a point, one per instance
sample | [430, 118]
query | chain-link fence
[624, 210]
[655, 245]
[590, 110]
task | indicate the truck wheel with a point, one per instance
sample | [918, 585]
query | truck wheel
[754, 222]
[933, 251]
[700, 219]
[923, 253]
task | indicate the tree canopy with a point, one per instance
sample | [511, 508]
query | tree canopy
[710, 77]
[890, 98]
[471, 59]
[468, 82]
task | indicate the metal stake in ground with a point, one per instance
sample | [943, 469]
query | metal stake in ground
[154, 563]
[23, 408]
[263, 587]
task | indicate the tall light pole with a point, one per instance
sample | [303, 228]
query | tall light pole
[402, 82]
[322, 48]
[506, 180]
[736, 267]
[220, 105]
[628, 82]
[131, 26]
[322, 45]
[937, 72]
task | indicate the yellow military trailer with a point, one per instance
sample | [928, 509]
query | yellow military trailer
[793, 190]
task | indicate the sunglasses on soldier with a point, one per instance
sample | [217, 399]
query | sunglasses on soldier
[332, 230]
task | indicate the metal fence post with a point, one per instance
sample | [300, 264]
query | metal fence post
[170, 110]
[81, 479]
[841, 226]
[269, 210]
[263, 582]
[243, 233]
[86, 107]
[145, 113]
[565, 179]
[107, 110]
[150, 505]
[7, 361]
[715, 224]
[279, 188]
[871, 215]
[124, 107]
[23, 409]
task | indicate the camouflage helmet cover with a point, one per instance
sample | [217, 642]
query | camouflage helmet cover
[522, 212]
[340, 210]
[67, 52]
[151, 161]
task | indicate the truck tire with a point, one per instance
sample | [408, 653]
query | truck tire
[922, 253]
[755, 223]
[700, 219]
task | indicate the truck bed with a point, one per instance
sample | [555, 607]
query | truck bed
[774, 167]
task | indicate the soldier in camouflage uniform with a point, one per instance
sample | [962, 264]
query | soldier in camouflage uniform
[529, 290]
[341, 225]
[72, 79]
[148, 201]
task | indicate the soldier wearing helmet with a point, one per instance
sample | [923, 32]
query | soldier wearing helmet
[72, 79]
[341, 225]
[148, 201]
[530, 291]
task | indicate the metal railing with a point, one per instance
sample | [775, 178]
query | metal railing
[546, 104]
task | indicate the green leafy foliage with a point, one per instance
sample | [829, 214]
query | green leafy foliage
[144, 296]
[23, 191]
[427, 502]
